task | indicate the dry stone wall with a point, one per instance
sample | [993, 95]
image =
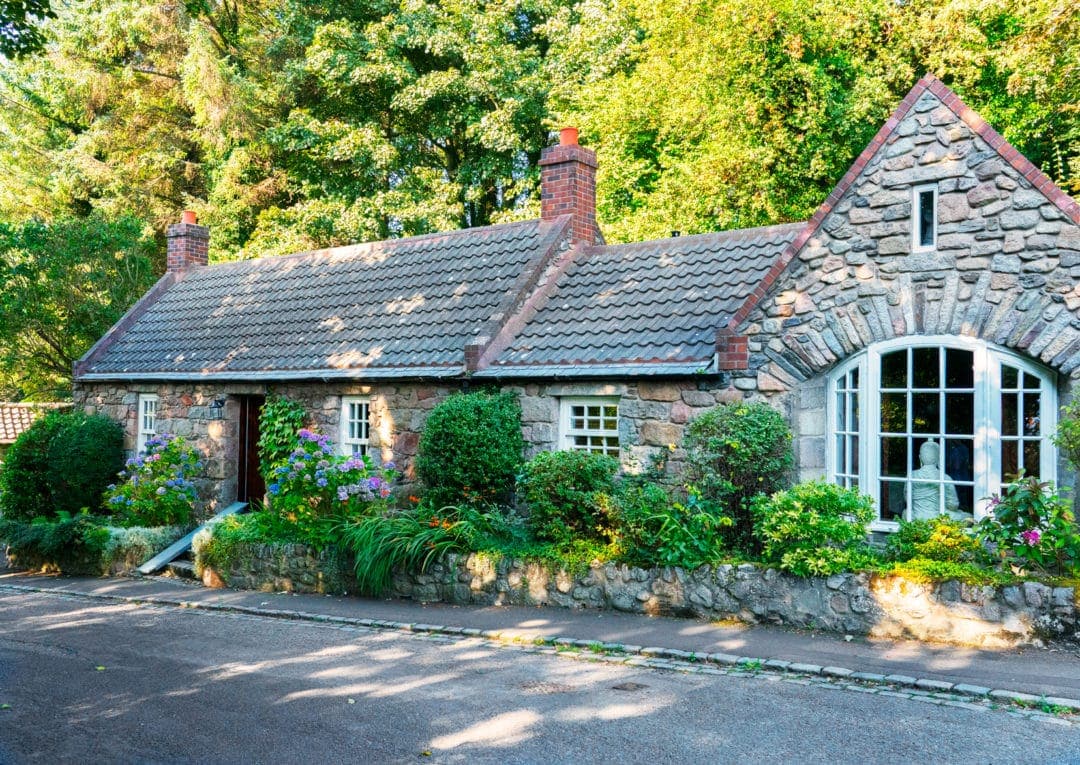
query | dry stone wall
[859, 604]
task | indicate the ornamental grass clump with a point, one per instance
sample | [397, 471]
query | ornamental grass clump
[316, 489]
[157, 486]
[1031, 526]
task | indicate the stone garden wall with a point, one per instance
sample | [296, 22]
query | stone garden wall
[858, 604]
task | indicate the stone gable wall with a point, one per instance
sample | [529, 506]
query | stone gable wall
[653, 416]
[1005, 270]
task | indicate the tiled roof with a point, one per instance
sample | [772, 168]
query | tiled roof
[404, 307]
[655, 305]
[15, 418]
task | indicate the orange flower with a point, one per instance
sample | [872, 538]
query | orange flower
[414, 499]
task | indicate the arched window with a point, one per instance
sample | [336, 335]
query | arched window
[930, 425]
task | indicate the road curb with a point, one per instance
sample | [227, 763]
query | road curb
[652, 656]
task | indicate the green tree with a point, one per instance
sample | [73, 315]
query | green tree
[62, 285]
[19, 20]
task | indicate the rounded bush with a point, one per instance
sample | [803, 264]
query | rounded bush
[737, 451]
[812, 529]
[24, 477]
[470, 450]
[568, 494]
[85, 454]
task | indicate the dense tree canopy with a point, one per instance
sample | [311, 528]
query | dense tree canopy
[290, 124]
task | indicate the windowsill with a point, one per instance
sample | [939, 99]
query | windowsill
[886, 527]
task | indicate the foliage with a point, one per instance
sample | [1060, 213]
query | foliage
[813, 529]
[1067, 438]
[62, 285]
[1031, 524]
[61, 463]
[280, 420]
[156, 487]
[737, 451]
[19, 26]
[938, 539]
[85, 454]
[219, 547]
[413, 539]
[471, 449]
[657, 530]
[927, 570]
[70, 543]
[316, 488]
[568, 495]
[25, 490]
[81, 543]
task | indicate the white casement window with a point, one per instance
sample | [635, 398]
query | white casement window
[355, 425]
[147, 425]
[934, 425]
[591, 425]
[923, 218]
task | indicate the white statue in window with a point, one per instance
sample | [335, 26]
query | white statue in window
[925, 494]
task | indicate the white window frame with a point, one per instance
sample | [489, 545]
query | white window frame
[916, 217]
[568, 433]
[355, 440]
[986, 461]
[145, 420]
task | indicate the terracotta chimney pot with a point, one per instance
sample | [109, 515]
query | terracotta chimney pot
[189, 216]
[568, 136]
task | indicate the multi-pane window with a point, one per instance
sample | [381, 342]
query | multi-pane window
[945, 424]
[924, 218]
[355, 427]
[591, 425]
[147, 420]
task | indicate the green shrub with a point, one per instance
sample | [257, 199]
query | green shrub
[156, 487]
[280, 422]
[940, 539]
[656, 530]
[1067, 438]
[814, 528]
[73, 544]
[85, 454]
[735, 452]
[1032, 525]
[220, 546]
[568, 495]
[61, 463]
[925, 570]
[25, 491]
[316, 488]
[470, 450]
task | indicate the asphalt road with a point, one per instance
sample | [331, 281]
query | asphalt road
[94, 682]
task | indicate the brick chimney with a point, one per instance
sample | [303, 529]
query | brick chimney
[568, 186]
[188, 243]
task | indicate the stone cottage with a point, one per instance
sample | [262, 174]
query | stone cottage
[920, 330]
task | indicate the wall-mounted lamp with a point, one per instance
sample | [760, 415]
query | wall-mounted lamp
[217, 409]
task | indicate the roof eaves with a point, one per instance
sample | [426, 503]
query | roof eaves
[370, 373]
[673, 369]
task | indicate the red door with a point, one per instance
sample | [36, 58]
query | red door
[249, 485]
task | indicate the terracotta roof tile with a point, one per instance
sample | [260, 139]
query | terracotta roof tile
[15, 418]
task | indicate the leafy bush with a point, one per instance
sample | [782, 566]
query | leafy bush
[939, 539]
[569, 495]
[83, 544]
[735, 452]
[655, 530]
[221, 545]
[316, 488]
[471, 449]
[61, 463]
[156, 488]
[1067, 437]
[280, 422]
[73, 544]
[926, 570]
[85, 454]
[1031, 524]
[24, 478]
[413, 539]
[814, 528]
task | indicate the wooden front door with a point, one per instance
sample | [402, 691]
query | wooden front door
[249, 485]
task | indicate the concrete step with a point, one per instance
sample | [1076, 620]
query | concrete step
[181, 569]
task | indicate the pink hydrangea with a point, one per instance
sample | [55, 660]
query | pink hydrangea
[1031, 537]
